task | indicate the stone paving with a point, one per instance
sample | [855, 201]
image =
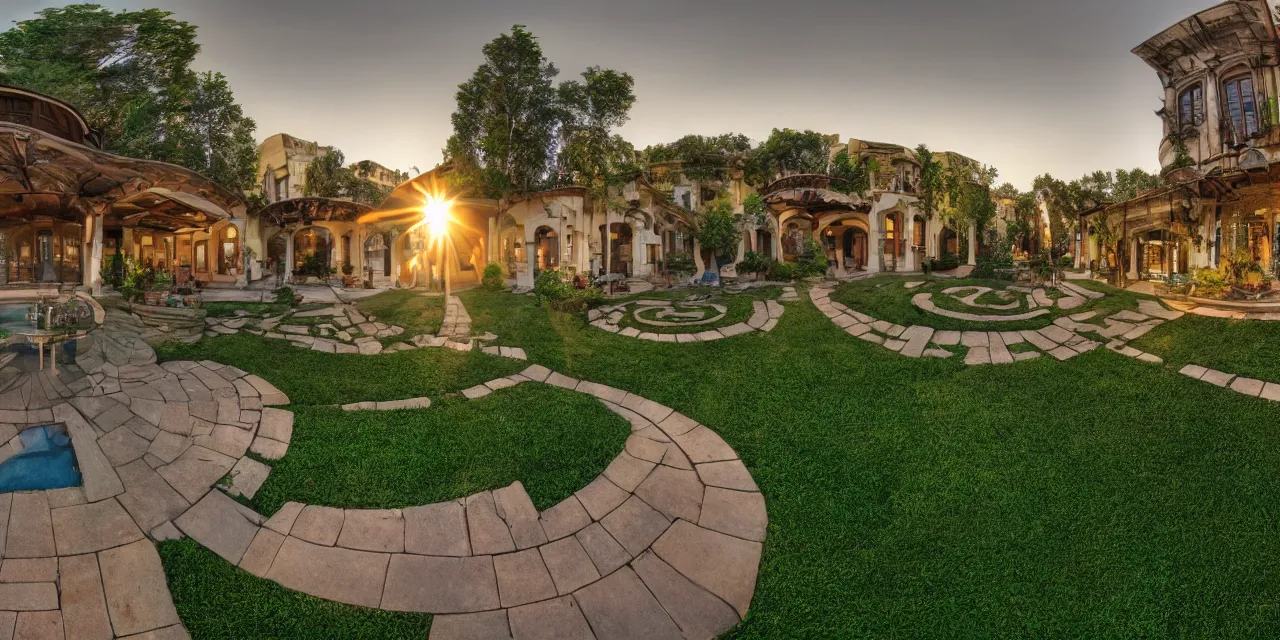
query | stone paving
[665, 543]
[151, 440]
[1038, 301]
[693, 314]
[1064, 339]
[344, 329]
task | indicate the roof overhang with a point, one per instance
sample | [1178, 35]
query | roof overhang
[1237, 26]
[304, 211]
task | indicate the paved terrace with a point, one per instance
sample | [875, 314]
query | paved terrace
[666, 543]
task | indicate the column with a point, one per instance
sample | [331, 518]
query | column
[242, 278]
[1133, 258]
[87, 270]
[909, 236]
[875, 244]
[840, 253]
[973, 244]
[288, 252]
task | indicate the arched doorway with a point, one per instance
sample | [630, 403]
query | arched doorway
[620, 249]
[948, 242]
[546, 243]
[229, 251]
[764, 243]
[277, 252]
[855, 249]
[797, 231]
[312, 246]
[892, 241]
[377, 254]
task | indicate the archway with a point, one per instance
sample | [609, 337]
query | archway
[229, 251]
[948, 242]
[377, 254]
[312, 245]
[277, 253]
[620, 251]
[855, 249]
[546, 243]
[796, 231]
[764, 243]
[893, 241]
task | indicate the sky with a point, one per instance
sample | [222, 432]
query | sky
[1027, 86]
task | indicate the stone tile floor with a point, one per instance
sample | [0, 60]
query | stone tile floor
[665, 543]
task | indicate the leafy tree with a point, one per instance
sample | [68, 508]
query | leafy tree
[931, 179]
[718, 233]
[702, 157]
[852, 172]
[505, 125]
[1128, 184]
[592, 109]
[129, 73]
[325, 177]
[787, 152]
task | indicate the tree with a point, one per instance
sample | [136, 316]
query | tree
[852, 174]
[718, 232]
[129, 73]
[701, 157]
[505, 125]
[931, 179]
[591, 153]
[325, 177]
[788, 152]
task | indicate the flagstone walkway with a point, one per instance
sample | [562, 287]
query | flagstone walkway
[764, 317]
[666, 543]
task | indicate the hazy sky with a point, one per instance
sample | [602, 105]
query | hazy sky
[1029, 86]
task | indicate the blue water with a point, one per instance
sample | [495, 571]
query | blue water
[48, 462]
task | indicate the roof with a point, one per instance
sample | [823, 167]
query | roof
[1236, 26]
[93, 135]
[59, 174]
[309, 210]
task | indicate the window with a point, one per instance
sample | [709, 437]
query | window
[1241, 110]
[1191, 106]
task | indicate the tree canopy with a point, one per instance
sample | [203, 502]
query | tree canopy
[326, 177]
[787, 151]
[507, 119]
[591, 153]
[129, 73]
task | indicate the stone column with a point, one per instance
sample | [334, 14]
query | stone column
[1133, 258]
[87, 272]
[288, 252]
[875, 244]
[909, 235]
[242, 278]
[973, 244]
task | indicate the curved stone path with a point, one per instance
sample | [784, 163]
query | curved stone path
[347, 330]
[1038, 301]
[764, 317]
[150, 441]
[665, 543]
[1063, 339]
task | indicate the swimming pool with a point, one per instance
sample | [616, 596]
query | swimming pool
[47, 461]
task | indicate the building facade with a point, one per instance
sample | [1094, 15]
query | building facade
[1220, 74]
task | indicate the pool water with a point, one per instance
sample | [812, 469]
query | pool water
[46, 462]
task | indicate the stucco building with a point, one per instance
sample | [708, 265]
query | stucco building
[1219, 71]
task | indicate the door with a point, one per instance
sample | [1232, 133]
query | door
[44, 257]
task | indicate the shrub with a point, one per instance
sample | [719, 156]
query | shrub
[161, 280]
[348, 269]
[579, 300]
[680, 262]
[548, 287]
[1209, 282]
[813, 262]
[285, 296]
[756, 263]
[492, 278]
[946, 262]
[784, 272]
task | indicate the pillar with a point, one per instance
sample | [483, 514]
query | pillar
[1133, 258]
[909, 235]
[288, 252]
[242, 277]
[875, 244]
[973, 244]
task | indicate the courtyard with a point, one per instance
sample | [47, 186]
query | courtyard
[904, 496]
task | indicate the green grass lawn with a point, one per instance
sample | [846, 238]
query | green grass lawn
[1099, 497]
[739, 307]
[458, 447]
[217, 600]
[1249, 348]
[416, 312]
[887, 298]
[314, 378]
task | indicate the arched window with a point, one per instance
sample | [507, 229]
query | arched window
[1240, 108]
[1191, 106]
